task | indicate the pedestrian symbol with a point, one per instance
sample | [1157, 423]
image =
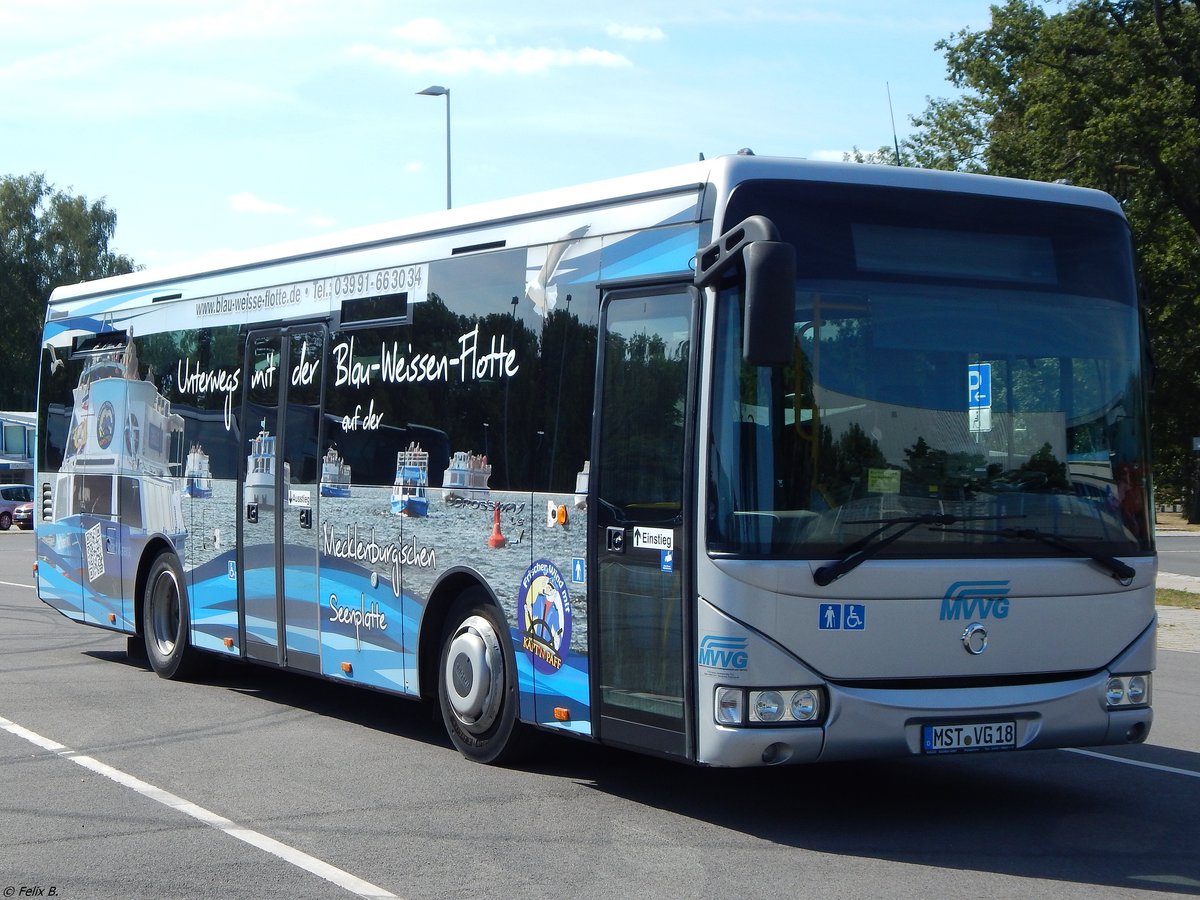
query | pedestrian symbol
[842, 617]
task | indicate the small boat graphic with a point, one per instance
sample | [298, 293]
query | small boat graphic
[466, 478]
[260, 470]
[409, 494]
[197, 476]
[335, 475]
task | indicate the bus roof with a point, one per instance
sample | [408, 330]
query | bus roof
[721, 173]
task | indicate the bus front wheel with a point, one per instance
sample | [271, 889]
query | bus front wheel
[477, 683]
[165, 619]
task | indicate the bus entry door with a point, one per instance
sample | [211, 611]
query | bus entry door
[278, 495]
[637, 503]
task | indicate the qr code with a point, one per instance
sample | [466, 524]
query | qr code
[94, 545]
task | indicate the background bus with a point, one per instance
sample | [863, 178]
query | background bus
[744, 462]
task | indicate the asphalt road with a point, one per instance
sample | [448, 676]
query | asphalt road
[253, 783]
[1179, 553]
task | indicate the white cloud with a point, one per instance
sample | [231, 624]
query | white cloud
[499, 61]
[429, 46]
[828, 155]
[427, 31]
[635, 32]
[247, 202]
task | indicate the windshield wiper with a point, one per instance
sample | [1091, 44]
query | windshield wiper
[862, 549]
[1122, 572]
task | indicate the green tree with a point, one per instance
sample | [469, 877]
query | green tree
[846, 464]
[47, 238]
[1051, 474]
[1105, 94]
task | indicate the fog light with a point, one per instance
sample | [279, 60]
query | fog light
[768, 706]
[1115, 692]
[729, 703]
[804, 706]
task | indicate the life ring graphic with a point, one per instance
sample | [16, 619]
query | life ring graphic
[105, 425]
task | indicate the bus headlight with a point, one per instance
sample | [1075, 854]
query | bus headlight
[1137, 689]
[805, 706]
[730, 703]
[1114, 694]
[735, 706]
[768, 707]
[1127, 690]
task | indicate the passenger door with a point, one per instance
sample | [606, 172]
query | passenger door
[638, 508]
[278, 496]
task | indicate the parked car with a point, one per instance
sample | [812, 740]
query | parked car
[23, 516]
[12, 496]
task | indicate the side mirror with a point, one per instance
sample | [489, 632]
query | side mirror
[767, 338]
[770, 273]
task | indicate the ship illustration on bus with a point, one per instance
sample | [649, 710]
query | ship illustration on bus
[197, 473]
[118, 485]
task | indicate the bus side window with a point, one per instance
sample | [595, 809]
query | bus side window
[130, 502]
[93, 495]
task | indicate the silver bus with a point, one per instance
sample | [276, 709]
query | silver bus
[746, 462]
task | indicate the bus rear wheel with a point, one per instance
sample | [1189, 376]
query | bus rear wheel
[477, 683]
[165, 620]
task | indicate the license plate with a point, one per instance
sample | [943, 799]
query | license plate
[960, 737]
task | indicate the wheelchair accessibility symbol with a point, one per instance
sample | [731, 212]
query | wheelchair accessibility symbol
[842, 617]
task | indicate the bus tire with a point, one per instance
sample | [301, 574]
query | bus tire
[477, 682]
[165, 620]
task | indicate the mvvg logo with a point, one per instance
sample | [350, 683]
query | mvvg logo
[718, 652]
[975, 600]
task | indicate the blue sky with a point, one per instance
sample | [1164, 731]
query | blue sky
[231, 124]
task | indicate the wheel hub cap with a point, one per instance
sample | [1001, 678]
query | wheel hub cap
[475, 674]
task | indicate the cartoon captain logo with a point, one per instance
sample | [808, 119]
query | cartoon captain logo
[545, 616]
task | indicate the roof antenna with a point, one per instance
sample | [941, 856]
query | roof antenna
[895, 140]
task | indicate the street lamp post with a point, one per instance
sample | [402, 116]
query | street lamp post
[436, 90]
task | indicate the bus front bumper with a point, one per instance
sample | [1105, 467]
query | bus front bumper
[870, 722]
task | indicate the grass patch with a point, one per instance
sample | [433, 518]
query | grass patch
[1173, 521]
[1169, 597]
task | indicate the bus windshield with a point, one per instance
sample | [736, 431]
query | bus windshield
[965, 381]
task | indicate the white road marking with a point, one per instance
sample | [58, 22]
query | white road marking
[256, 839]
[1133, 762]
[15, 584]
